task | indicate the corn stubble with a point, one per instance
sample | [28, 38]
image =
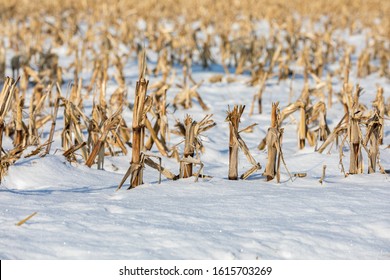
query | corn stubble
[274, 146]
[94, 32]
[192, 131]
[6, 95]
[236, 143]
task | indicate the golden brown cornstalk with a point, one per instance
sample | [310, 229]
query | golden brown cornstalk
[379, 104]
[234, 119]
[317, 113]
[355, 135]
[236, 142]
[302, 128]
[145, 159]
[98, 149]
[33, 137]
[187, 93]
[53, 125]
[154, 130]
[259, 95]
[189, 147]
[54, 120]
[158, 131]
[72, 131]
[373, 136]
[191, 130]
[273, 140]
[20, 135]
[339, 129]
[142, 104]
[302, 104]
[6, 96]
[69, 154]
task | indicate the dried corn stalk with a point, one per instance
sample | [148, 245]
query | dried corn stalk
[373, 136]
[69, 154]
[98, 149]
[302, 104]
[236, 142]
[53, 124]
[154, 131]
[187, 93]
[234, 119]
[379, 104]
[72, 132]
[302, 127]
[191, 131]
[349, 129]
[145, 159]
[340, 129]
[259, 95]
[21, 129]
[355, 134]
[142, 104]
[159, 131]
[6, 97]
[273, 142]
[317, 113]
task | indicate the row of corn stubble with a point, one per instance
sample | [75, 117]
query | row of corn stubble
[101, 38]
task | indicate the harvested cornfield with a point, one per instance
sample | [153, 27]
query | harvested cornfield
[126, 120]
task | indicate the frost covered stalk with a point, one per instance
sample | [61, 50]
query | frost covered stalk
[234, 119]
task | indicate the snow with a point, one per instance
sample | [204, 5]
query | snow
[81, 216]
[216, 219]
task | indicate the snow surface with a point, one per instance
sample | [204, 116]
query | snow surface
[80, 216]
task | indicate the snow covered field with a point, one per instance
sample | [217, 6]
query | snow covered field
[345, 219]
[81, 216]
